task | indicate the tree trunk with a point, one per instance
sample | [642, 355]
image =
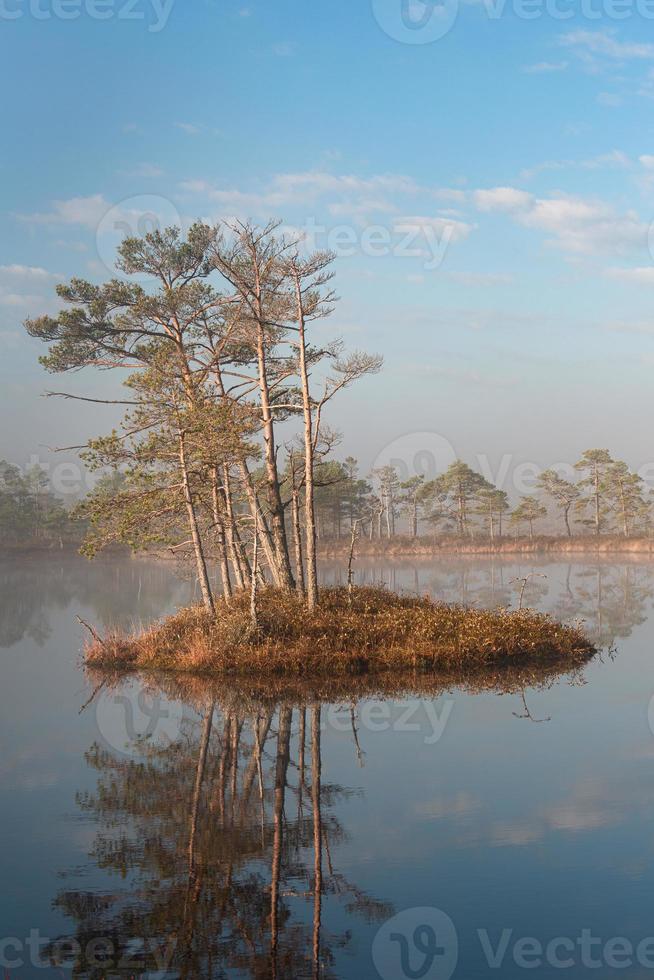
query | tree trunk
[200, 561]
[462, 519]
[192, 889]
[254, 619]
[240, 563]
[274, 491]
[309, 438]
[566, 515]
[258, 516]
[297, 538]
[281, 769]
[220, 536]
[597, 502]
[253, 503]
[317, 837]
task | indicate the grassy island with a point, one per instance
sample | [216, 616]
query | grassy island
[370, 631]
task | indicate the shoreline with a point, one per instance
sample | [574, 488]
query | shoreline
[431, 547]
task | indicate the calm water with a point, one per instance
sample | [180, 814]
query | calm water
[167, 832]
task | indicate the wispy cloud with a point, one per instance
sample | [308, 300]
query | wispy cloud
[613, 160]
[85, 211]
[17, 282]
[576, 225]
[482, 279]
[609, 100]
[605, 43]
[641, 274]
[33, 272]
[283, 49]
[545, 67]
[343, 194]
[189, 128]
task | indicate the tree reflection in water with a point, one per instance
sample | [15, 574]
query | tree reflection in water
[223, 845]
[219, 840]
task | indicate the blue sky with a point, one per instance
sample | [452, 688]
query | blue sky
[512, 158]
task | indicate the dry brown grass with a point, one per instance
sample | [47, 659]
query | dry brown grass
[379, 632]
[432, 546]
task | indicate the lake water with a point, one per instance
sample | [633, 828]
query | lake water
[205, 832]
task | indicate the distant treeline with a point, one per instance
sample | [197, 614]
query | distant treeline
[607, 498]
[30, 512]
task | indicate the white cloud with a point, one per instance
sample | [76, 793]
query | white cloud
[641, 274]
[586, 227]
[609, 99]
[189, 128]
[283, 49]
[615, 159]
[362, 207]
[604, 43]
[345, 195]
[16, 283]
[33, 272]
[85, 211]
[638, 327]
[647, 161]
[450, 194]
[577, 226]
[502, 199]
[442, 228]
[545, 67]
[480, 278]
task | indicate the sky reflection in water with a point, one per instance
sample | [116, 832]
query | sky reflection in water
[252, 834]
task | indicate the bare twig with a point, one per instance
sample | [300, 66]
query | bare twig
[94, 633]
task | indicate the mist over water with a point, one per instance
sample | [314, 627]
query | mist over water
[168, 816]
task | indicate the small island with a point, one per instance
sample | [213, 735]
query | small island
[350, 633]
[222, 451]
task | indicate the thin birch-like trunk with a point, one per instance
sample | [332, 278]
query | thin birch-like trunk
[220, 537]
[309, 440]
[200, 560]
[300, 583]
[317, 836]
[275, 504]
[281, 769]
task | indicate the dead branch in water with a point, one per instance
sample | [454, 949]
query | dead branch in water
[94, 633]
